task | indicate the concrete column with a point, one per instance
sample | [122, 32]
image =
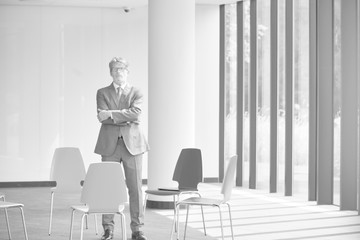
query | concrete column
[253, 94]
[312, 100]
[349, 115]
[240, 92]
[325, 89]
[289, 96]
[171, 89]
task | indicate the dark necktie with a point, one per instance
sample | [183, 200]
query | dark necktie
[118, 91]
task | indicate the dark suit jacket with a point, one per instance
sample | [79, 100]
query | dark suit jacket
[125, 121]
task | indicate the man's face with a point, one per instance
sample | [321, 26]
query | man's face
[119, 73]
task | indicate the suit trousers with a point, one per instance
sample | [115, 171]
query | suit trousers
[133, 173]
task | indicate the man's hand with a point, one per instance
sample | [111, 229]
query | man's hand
[103, 115]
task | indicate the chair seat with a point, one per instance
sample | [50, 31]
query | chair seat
[98, 196]
[202, 201]
[169, 192]
[10, 204]
[85, 209]
[162, 193]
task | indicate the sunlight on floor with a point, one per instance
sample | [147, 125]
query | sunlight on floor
[256, 214]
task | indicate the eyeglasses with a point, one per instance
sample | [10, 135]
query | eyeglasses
[121, 69]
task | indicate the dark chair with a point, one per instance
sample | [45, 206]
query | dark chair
[226, 190]
[188, 174]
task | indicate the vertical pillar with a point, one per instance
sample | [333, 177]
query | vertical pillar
[349, 115]
[325, 121]
[358, 38]
[312, 101]
[289, 97]
[240, 91]
[274, 95]
[222, 94]
[253, 95]
[171, 89]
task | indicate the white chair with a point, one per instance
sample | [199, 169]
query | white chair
[2, 196]
[6, 205]
[227, 186]
[68, 170]
[104, 192]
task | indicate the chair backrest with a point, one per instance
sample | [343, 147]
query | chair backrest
[229, 179]
[67, 169]
[188, 170]
[104, 187]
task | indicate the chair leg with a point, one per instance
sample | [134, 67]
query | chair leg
[202, 214]
[71, 223]
[82, 226]
[86, 222]
[174, 198]
[221, 223]
[7, 223]
[145, 201]
[123, 226]
[187, 215]
[174, 227]
[231, 225]
[7, 219]
[177, 221]
[23, 221]
[96, 226]
[51, 211]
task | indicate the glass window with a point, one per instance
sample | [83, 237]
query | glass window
[263, 94]
[301, 98]
[246, 92]
[230, 81]
[337, 99]
[281, 97]
[301, 94]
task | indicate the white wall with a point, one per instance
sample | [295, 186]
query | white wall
[52, 61]
[207, 87]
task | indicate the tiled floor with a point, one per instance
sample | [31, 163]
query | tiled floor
[256, 215]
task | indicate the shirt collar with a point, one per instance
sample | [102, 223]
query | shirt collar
[122, 87]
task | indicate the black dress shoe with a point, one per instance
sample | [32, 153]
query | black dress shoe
[138, 235]
[108, 234]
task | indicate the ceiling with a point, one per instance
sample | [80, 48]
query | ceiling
[98, 3]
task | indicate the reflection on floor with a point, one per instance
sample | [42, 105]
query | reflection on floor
[256, 215]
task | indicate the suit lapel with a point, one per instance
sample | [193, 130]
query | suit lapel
[125, 93]
[113, 94]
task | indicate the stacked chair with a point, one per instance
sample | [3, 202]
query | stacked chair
[188, 174]
[226, 190]
[68, 171]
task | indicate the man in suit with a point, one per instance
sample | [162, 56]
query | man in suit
[121, 140]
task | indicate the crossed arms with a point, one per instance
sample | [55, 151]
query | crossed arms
[122, 117]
